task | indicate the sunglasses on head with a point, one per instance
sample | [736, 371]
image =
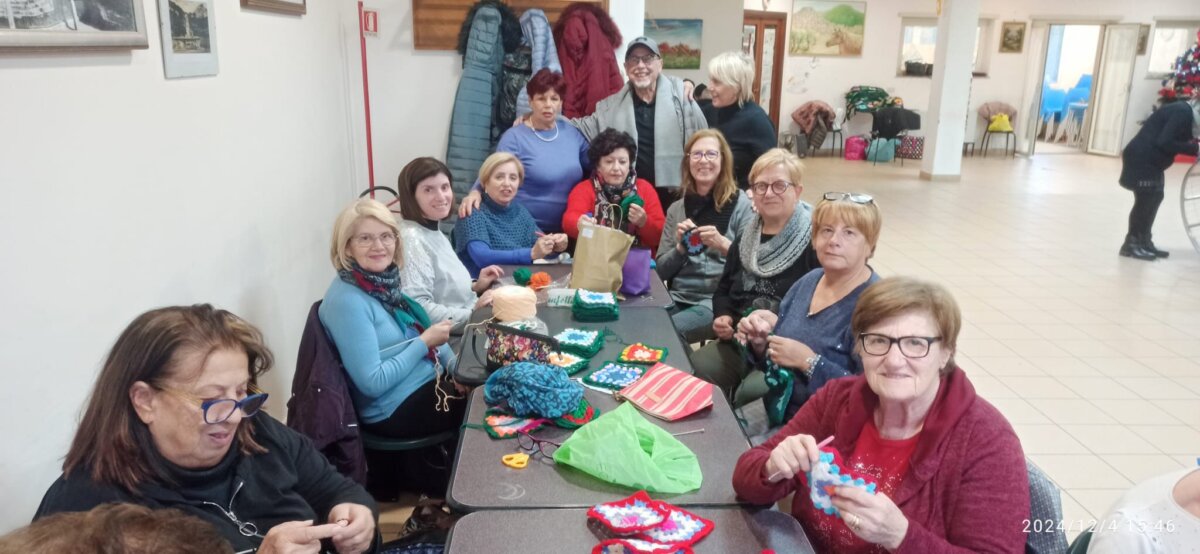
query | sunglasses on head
[856, 197]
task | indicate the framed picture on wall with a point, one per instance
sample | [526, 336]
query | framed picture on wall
[1143, 39]
[1012, 37]
[72, 24]
[679, 41]
[827, 28]
[189, 37]
[298, 7]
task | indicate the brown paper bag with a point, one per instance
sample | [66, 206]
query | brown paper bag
[599, 256]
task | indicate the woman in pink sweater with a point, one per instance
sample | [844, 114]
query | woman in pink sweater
[949, 470]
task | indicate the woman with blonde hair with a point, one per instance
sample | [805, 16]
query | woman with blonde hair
[734, 112]
[502, 231]
[700, 228]
[391, 350]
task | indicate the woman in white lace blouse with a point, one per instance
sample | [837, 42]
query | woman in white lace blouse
[432, 274]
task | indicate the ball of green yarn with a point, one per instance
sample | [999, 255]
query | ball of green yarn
[629, 201]
[522, 276]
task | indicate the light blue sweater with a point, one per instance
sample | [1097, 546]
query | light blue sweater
[386, 363]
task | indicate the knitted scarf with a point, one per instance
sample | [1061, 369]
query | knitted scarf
[768, 259]
[384, 286]
[702, 210]
[607, 195]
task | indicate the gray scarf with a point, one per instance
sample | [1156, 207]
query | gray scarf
[764, 260]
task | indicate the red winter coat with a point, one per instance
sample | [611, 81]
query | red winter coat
[582, 200]
[966, 489]
[586, 38]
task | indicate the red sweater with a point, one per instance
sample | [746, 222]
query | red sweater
[582, 200]
[967, 489]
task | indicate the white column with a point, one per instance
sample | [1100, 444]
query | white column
[950, 93]
[630, 17]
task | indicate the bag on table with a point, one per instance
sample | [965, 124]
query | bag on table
[600, 254]
[636, 273]
[667, 393]
[507, 345]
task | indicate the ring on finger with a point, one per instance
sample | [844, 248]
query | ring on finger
[853, 521]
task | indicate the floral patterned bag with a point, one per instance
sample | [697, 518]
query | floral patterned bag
[506, 345]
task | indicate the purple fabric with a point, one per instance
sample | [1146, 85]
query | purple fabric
[635, 274]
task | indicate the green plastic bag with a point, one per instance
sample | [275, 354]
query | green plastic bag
[622, 448]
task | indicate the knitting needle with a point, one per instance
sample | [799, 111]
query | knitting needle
[693, 431]
[779, 475]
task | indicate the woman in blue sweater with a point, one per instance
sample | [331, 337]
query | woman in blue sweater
[391, 351]
[502, 231]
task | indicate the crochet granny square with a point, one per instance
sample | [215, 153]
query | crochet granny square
[575, 419]
[680, 528]
[570, 363]
[692, 243]
[638, 546]
[502, 425]
[636, 513]
[583, 342]
[638, 353]
[594, 306]
[827, 474]
[615, 376]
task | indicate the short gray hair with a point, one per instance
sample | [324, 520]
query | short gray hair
[737, 69]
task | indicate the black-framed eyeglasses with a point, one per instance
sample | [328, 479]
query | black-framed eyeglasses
[710, 155]
[856, 197]
[219, 410]
[778, 187]
[535, 445]
[634, 60]
[876, 344]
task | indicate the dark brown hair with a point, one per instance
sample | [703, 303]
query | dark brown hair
[609, 141]
[117, 528]
[112, 443]
[406, 185]
[895, 296]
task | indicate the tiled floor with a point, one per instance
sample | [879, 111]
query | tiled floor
[1095, 359]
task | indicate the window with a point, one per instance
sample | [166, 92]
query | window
[918, 42]
[1169, 41]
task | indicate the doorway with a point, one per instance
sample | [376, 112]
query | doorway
[762, 39]
[1070, 62]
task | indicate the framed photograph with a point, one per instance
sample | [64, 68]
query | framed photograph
[678, 40]
[72, 24]
[827, 28]
[296, 7]
[1012, 37]
[189, 37]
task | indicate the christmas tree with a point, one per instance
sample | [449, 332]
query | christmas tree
[1186, 76]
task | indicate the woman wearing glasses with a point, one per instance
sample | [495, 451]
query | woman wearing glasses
[388, 345]
[699, 231]
[948, 469]
[169, 425]
[772, 252]
[809, 337]
[614, 195]
[734, 113]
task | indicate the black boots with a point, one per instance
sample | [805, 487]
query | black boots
[1134, 247]
[1149, 246]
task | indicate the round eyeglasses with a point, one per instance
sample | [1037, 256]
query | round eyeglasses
[365, 240]
[219, 410]
[876, 344]
[710, 155]
[536, 445]
[856, 197]
[778, 187]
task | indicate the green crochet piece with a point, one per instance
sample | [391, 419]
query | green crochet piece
[629, 201]
[522, 276]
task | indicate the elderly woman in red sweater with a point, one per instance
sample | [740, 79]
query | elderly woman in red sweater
[949, 470]
[614, 196]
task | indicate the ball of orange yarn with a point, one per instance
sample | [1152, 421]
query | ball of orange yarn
[539, 280]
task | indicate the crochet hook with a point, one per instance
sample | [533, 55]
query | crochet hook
[693, 431]
[779, 475]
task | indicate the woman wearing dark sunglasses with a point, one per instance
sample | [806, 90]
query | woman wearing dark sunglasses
[173, 422]
[949, 471]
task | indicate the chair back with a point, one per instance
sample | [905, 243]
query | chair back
[1054, 102]
[1045, 504]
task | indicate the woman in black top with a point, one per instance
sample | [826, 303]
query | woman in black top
[734, 113]
[1168, 131]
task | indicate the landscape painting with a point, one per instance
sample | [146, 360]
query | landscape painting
[827, 28]
[678, 40]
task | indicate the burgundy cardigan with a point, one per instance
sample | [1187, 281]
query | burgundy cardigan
[966, 489]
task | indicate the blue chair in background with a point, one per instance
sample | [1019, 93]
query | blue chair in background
[1085, 81]
[1075, 107]
[1054, 105]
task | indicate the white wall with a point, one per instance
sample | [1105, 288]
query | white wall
[828, 78]
[722, 30]
[121, 191]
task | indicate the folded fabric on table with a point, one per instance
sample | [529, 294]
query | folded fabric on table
[529, 389]
[584, 342]
[595, 306]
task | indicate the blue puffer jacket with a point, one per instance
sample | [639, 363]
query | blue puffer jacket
[540, 38]
[471, 123]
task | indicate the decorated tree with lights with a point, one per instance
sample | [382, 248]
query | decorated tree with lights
[1185, 79]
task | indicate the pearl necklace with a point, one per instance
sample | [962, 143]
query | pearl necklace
[543, 139]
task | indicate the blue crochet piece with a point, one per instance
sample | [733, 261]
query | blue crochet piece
[826, 474]
[529, 389]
